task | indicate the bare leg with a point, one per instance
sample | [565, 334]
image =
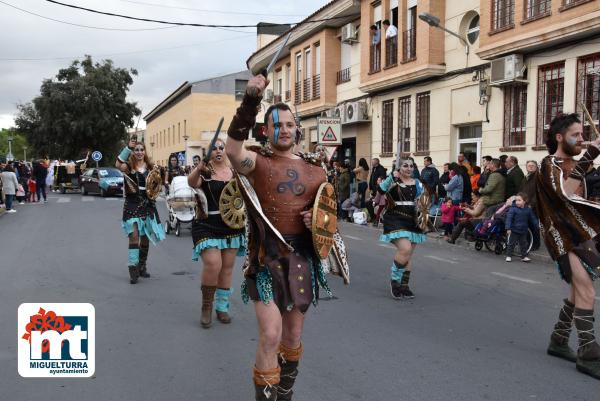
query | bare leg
[290, 353]
[401, 269]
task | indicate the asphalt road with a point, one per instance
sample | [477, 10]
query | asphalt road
[477, 329]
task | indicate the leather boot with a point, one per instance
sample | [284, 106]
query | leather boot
[134, 273]
[588, 353]
[208, 295]
[265, 384]
[143, 258]
[222, 305]
[559, 340]
[288, 359]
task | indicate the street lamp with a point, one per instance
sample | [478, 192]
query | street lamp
[24, 153]
[434, 21]
[9, 156]
[185, 139]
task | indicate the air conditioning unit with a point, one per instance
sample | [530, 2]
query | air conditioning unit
[356, 112]
[349, 33]
[268, 95]
[508, 69]
[339, 112]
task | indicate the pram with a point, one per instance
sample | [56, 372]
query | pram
[491, 232]
[181, 204]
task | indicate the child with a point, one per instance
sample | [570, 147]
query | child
[517, 223]
[448, 216]
[32, 189]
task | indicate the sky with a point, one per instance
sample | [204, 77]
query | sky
[34, 48]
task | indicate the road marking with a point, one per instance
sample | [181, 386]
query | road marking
[524, 280]
[63, 200]
[84, 199]
[386, 246]
[351, 237]
[441, 259]
[119, 198]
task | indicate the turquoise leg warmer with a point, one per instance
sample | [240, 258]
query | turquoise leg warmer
[124, 155]
[133, 256]
[222, 299]
[397, 272]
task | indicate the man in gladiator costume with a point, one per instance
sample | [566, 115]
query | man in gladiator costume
[283, 273]
[570, 225]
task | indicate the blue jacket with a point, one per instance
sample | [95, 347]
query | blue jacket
[455, 188]
[518, 219]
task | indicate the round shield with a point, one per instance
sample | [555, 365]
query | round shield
[324, 220]
[231, 206]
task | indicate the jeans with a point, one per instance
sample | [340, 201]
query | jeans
[41, 189]
[512, 241]
[9, 201]
[448, 228]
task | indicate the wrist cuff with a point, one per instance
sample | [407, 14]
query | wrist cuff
[124, 155]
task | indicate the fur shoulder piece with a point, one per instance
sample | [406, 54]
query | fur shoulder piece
[312, 158]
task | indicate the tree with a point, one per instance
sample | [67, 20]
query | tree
[19, 142]
[84, 108]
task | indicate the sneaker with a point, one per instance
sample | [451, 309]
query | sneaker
[396, 289]
[451, 241]
[11, 211]
[525, 259]
[21, 203]
[508, 259]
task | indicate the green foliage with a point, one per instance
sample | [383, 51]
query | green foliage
[83, 109]
[19, 142]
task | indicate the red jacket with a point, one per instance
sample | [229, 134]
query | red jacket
[449, 213]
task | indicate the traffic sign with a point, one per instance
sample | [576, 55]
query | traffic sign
[181, 157]
[329, 131]
[96, 156]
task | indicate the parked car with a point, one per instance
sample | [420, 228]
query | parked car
[103, 180]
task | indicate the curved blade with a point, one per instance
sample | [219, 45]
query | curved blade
[213, 141]
[267, 70]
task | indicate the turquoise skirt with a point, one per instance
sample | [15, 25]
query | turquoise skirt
[238, 242]
[147, 226]
[414, 238]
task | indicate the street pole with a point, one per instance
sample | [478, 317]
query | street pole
[9, 156]
[24, 153]
[185, 139]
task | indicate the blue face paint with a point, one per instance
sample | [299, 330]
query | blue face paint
[275, 115]
[572, 141]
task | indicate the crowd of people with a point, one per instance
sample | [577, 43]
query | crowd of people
[23, 182]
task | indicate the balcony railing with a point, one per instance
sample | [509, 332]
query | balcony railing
[343, 76]
[277, 99]
[288, 95]
[391, 51]
[297, 93]
[316, 86]
[306, 90]
[375, 59]
[409, 44]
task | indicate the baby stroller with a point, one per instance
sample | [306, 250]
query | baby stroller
[181, 204]
[491, 233]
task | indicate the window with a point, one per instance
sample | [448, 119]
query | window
[503, 14]
[240, 88]
[549, 96]
[387, 140]
[537, 8]
[375, 40]
[298, 83]
[287, 82]
[179, 132]
[473, 30]
[409, 37]
[316, 84]
[588, 91]
[404, 124]
[423, 122]
[515, 114]
[307, 75]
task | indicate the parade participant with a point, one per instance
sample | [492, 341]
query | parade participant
[174, 169]
[281, 277]
[399, 224]
[140, 217]
[570, 225]
[215, 242]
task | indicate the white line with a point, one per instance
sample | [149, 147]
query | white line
[452, 262]
[84, 199]
[63, 200]
[386, 246]
[524, 280]
[351, 237]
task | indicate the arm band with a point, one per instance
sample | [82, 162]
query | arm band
[124, 155]
[245, 118]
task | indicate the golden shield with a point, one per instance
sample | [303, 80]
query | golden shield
[154, 184]
[324, 220]
[422, 205]
[231, 206]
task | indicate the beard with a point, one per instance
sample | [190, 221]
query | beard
[571, 150]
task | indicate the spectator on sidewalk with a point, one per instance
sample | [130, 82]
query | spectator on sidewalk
[528, 188]
[454, 188]
[464, 162]
[9, 187]
[475, 178]
[444, 179]
[32, 189]
[474, 214]
[514, 176]
[493, 192]
[40, 172]
[430, 176]
[377, 171]
[485, 173]
[343, 187]
[519, 218]
[466, 194]
[362, 178]
[449, 211]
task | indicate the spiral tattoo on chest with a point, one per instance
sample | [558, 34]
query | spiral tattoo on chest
[295, 187]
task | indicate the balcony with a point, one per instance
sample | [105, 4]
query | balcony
[297, 93]
[343, 76]
[391, 51]
[288, 95]
[409, 45]
[316, 86]
[375, 58]
[306, 90]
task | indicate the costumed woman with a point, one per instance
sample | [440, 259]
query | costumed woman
[399, 224]
[174, 170]
[140, 217]
[214, 241]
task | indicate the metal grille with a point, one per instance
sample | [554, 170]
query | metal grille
[404, 124]
[550, 96]
[288, 95]
[537, 8]
[343, 76]
[306, 90]
[515, 115]
[297, 93]
[409, 44]
[423, 122]
[316, 86]
[391, 51]
[375, 58]
[588, 90]
[387, 140]
[503, 14]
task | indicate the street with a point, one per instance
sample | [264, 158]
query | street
[477, 330]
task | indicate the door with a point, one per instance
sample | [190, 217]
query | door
[469, 143]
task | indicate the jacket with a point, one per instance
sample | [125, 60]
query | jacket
[514, 179]
[430, 176]
[449, 213]
[40, 172]
[493, 192]
[483, 179]
[376, 172]
[343, 188]
[519, 219]
[454, 189]
[9, 183]
[444, 179]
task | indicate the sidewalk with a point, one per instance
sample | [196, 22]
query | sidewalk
[541, 255]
